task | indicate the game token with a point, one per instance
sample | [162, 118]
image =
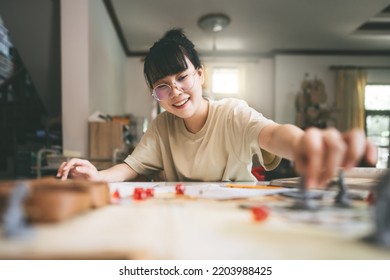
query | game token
[342, 199]
[116, 195]
[139, 194]
[381, 200]
[303, 201]
[149, 192]
[179, 189]
[260, 213]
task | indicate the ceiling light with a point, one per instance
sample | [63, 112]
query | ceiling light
[214, 22]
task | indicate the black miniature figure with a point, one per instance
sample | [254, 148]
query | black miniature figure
[304, 201]
[381, 234]
[342, 199]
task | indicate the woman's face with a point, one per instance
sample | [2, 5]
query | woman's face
[182, 92]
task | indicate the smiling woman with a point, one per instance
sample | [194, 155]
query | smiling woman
[201, 139]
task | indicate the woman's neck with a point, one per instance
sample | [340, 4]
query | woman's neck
[195, 123]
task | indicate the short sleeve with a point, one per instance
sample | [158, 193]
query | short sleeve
[146, 159]
[246, 124]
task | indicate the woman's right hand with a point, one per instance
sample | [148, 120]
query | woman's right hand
[78, 169]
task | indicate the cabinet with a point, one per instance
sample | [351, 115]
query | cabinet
[104, 138]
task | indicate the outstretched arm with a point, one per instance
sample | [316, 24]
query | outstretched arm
[83, 169]
[317, 153]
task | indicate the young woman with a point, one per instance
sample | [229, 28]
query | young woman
[197, 139]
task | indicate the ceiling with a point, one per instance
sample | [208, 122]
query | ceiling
[258, 27]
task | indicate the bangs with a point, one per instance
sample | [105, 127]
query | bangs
[168, 59]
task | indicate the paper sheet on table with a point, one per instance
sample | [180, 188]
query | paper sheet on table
[221, 192]
[197, 190]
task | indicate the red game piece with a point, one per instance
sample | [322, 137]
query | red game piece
[179, 189]
[139, 194]
[260, 213]
[150, 192]
[116, 194]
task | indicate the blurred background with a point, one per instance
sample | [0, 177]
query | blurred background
[71, 71]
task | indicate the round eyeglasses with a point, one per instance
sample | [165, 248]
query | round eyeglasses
[183, 83]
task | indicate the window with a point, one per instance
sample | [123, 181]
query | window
[377, 107]
[224, 80]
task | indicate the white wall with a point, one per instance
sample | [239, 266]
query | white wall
[256, 80]
[138, 100]
[93, 70]
[75, 74]
[377, 76]
[291, 69]
[260, 86]
[107, 63]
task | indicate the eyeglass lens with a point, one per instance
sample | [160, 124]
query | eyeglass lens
[185, 83]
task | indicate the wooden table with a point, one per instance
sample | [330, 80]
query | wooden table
[180, 227]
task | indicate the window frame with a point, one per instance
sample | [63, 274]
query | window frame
[371, 112]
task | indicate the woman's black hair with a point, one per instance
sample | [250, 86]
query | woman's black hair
[167, 56]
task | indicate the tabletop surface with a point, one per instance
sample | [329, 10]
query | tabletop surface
[211, 221]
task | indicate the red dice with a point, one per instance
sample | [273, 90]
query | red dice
[259, 213]
[149, 192]
[142, 194]
[179, 189]
[116, 195]
[139, 194]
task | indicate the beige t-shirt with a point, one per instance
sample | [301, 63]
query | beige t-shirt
[221, 151]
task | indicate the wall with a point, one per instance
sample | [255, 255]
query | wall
[258, 82]
[93, 70]
[260, 86]
[107, 63]
[291, 69]
[138, 100]
[376, 76]
[75, 77]
[271, 83]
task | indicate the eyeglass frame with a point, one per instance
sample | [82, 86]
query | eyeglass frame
[154, 94]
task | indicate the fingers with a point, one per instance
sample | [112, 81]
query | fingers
[61, 173]
[359, 149]
[371, 155]
[356, 142]
[309, 155]
[334, 150]
[320, 153]
[76, 168]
